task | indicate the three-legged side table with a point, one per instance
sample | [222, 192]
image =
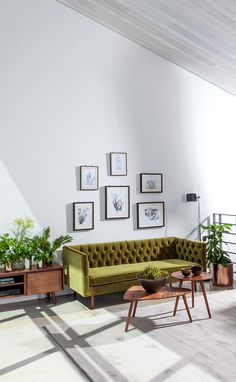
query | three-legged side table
[204, 276]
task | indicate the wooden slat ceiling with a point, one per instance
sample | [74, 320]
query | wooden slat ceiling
[198, 35]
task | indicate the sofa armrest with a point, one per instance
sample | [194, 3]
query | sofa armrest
[191, 250]
[76, 270]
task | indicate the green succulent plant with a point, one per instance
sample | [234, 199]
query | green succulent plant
[151, 272]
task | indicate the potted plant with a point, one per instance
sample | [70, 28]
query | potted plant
[8, 251]
[217, 257]
[153, 278]
[22, 228]
[44, 250]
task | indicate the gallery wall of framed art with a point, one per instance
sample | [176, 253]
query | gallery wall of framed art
[117, 200]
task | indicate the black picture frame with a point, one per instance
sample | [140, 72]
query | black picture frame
[149, 214]
[118, 164]
[117, 202]
[89, 178]
[151, 182]
[83, 216]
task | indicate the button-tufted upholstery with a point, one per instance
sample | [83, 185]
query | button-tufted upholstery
[101, 268]
[128, 252]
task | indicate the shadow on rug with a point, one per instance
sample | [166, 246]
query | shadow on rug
[158, 347]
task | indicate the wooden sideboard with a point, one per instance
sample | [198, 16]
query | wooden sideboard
[33, 281]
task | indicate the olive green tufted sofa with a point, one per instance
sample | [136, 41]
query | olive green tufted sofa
[95, 269]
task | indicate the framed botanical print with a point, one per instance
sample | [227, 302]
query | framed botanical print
[83, 216]
[150, 214]
[117, 202]
[151, 182]
[89, 177]
[118, 164]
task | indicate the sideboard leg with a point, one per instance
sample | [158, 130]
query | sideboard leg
[92, 302]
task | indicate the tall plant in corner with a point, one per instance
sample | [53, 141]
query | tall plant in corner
[216, 255]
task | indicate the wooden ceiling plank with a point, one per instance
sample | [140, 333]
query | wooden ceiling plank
[198, 35]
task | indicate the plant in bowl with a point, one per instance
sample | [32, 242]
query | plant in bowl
[217, 257]
[153, 278]
[44, 249]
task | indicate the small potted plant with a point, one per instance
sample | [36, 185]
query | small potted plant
[8, 251]
[44, 250]
[22, 231]
[153, 278]
[217, 257]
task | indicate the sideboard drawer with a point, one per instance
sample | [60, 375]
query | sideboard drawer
[44, 282]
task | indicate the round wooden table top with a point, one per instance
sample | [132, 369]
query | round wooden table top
[138, 293]
[204, 276]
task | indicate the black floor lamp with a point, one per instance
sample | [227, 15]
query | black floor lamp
[196, 198]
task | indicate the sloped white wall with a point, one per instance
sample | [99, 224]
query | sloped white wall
[71, 91]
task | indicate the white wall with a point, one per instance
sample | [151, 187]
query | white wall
[72, 91]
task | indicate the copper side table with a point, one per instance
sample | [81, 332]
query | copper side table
[204, 276]
[137, 293]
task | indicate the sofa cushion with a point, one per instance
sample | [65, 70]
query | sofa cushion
[119, 273]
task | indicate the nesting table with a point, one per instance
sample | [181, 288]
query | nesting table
[137, 293]
[204, 276]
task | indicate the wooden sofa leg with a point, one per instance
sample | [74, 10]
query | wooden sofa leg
[92, 303]
[75, 295]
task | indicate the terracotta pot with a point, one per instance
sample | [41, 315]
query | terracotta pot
[223, 276]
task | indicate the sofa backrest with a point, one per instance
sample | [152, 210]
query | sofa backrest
[128, 252]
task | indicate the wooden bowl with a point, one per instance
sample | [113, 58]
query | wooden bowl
[185, 272]
[196, 270]
[152, 286]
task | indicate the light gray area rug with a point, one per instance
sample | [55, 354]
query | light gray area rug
[158, 346]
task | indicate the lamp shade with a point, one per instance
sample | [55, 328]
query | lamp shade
[191, 197]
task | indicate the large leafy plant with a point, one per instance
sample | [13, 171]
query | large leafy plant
[44, 249]
[214, 243]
